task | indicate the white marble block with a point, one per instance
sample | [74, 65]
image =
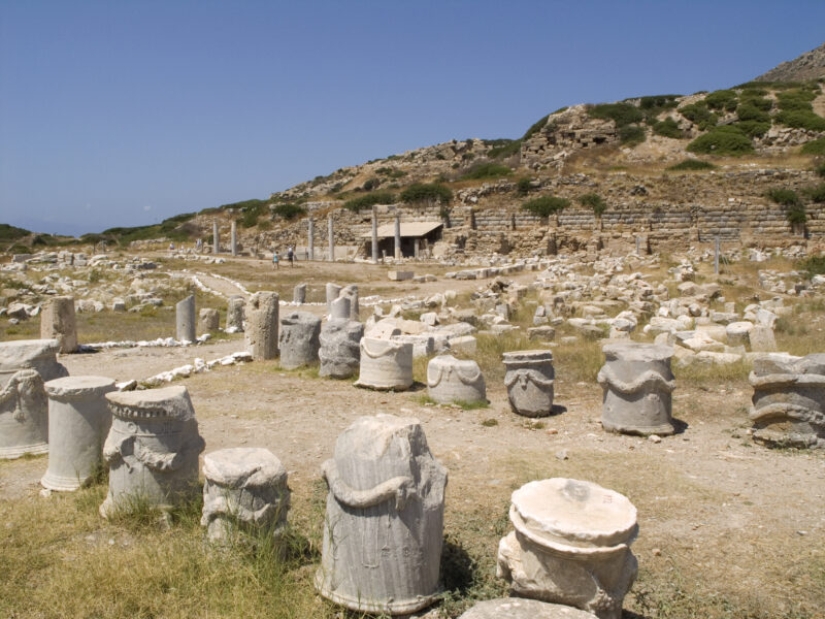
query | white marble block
[451, 380]
[245, 492]
[386, 364]
[384, 520]
[185, 319]
[530, 379]
[571, 545]
[79, 420]
[152, 449]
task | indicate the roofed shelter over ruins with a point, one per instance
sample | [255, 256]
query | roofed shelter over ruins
[416, 237]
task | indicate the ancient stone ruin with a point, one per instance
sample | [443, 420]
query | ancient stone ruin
[451, 380]
[24, 407]
[340, 352]
[58, 322]
[261, 329]
[185, 319]
[386, 364]
[245, 493]
[637, 383]
[523, 608]
[529, 380]
[235, 314]
[789, 400]
[152, 450]
[299, 339]
[79, 420]
[571, 545]
[384, 518]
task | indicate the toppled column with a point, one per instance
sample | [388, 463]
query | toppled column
[152, 450]
[340, 352]
[235, 314]
[58, 322]
[571, 545]
[25, 365]
[185, 319]
[79, 420]
[299, 339]
[789, 400]
[385, 513]
[245, 491]
[261, 332]
[299, 294]
[451, 380]
[530, 379]
[385, 364]
[637, 383]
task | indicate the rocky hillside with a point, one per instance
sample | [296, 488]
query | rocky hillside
[809, 66]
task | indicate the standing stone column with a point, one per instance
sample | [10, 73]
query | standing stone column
[385, 518]
[58, 322]
[299, 294]
[25, 365]
[185, 319]
[299, 339]
[152, 450]
[397, 236]
[637, 383]
[331, 240]
[332, 292]
[233, 238]
[235, 314]
[245, 491]
[209, 319]
[79, 421]
[311, 239]
[571, 545]
[530, 379]
[216, 245]
[340, 353]
[261, 332]
[351, 292]
[374, 234]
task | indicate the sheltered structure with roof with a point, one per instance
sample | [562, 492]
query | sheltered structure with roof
[416, 238]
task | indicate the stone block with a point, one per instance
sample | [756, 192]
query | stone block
[400, 276]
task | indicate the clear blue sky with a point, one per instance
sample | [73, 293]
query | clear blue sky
[124, 113]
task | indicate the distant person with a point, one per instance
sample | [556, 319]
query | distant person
[275, 260]
[171, 247]
[290, 255]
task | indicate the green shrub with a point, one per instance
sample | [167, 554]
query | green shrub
[817, 194]
[754, 128]
[820, 169]
[623, 114]
[722, 100]
[252, 211]
[756, 99]
[504, 148]
[796, 99]
[11, 233]
[796, 215]
[546, 205]
[692, 164]
[427, 192]
[632, 135]
[289, 211]
[595, 202]
[726, 140]
[783, 196]
[659, 102]
[524, 186]
[748, 111]
[801, 119]
[535, 127]
[487, 169]
[668, 128]
[370, 200]
[814, 147]
[391, 172]
[699, 114]
[812, 265]
[371, 183]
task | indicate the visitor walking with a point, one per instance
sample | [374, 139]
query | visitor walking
[275, 260]
[290, 255]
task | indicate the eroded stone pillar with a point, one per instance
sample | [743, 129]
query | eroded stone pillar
[299, 294]
[571, 545]
[235, 314]
[209, 319]
[384, 518]
[245, 492]
[311, 239]
[152, 450]
[530, 379]
[233, 238]
[451, 380]
[185, 319]
[299, 339]
[340, 309]
[385, 364]
[340, 352]
[79, 420]
[332, 291]
[216, 245]
[57, 321]
[637, 383]
[331, 240]
[789, 400]
[374, 234]
[261, 332]
[351, 292]
[25, 365]
[397, 236]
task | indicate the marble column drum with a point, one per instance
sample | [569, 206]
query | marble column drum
[529, 379]
[571, 545]
[452, 380]
[79, 420]
[25, 365]
[299, 339]
[385, 364]
[261, 330]
[152, 449]
[637, 383]
[384, 518]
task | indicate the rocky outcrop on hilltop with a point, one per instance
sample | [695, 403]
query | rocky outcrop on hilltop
[808, 66]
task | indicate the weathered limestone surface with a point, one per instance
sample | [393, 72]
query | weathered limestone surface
[79, 420]
[351, 292]
[299, 294]
[571, 545]
[385, 512]
[235, 314]
[637, 383]
[209, 319]
[386, 364]
[455, 380]
[299, 339]
[24, 406]
[261, 331]
[340, 309]
[789, 400]
[529, 379]
[523, 608]
[152, 449]
[185, 319]
[340, 352]
[332, 292]
[58, 322]
[245, 490]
